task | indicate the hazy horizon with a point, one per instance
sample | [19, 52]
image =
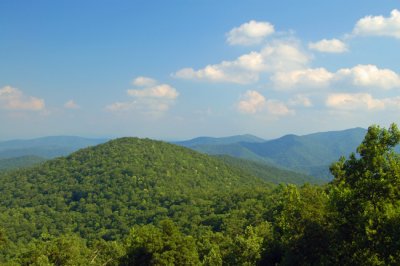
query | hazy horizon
[177, 139]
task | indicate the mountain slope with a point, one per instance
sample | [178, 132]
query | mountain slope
[47, 147]
[236, 150]
[101, 191]
[310, 154]
[19, 162]
[270, 173]
[210, 141]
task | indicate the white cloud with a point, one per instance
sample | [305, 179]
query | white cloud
[71, 104]
[300, 100]
[120, 106]
[278, 108]
[359, 76]
[278, 56]
[379, 25]
[253, 102]
[284, 56]
[144, 82]
[369, 76]
[144, 105]
[153, 99]
[159, 91]
[329, 46]
[13, 99]
[224, 72]
[250, 33]
[393, 103]
[310, 78]
[354, 101]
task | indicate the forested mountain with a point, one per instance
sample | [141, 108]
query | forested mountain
[142, 202]
[101, 192]
[46, 147]
[269, 172]
[219, 141]
[19, 162]
[311, 154]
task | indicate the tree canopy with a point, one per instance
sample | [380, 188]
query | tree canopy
[142, 202]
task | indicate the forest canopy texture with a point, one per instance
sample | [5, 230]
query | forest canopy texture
[137, 201]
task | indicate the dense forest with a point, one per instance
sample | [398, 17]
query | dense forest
[142, 202]
[19, 162]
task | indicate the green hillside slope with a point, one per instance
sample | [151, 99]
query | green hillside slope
[142, 202]
[270, 173]
[102, 191]
[19, 162]
[310, 154]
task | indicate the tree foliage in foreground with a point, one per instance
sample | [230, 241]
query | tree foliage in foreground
[140, 202]
[366, 200]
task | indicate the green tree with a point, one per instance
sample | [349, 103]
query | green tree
[365, 198]
[3, 238]
[63, 250]
[150, 245]
[301, 231]
[250, 246]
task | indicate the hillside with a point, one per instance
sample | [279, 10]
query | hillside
[102, 191]
[46, 147]
[310, 154]
[270, 173]
[19, 162]
[209, 141]
[141, 202]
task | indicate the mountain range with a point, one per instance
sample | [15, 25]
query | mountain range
[311, 154]
[46, 147]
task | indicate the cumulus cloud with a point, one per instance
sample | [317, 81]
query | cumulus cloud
[144, 82]
[144, 105]
[152, 98]
[329, 46]
[379, 25]
[14, 99]
[283, 56]
[370, 76]
[354, 101]
[159, 91]
[278, 108]
[253, 102]
[252, 32]
[277, 56]
[310, 78]
[300, 100]
[71, 104]
[359, 76]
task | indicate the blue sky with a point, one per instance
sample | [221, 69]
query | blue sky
[180, 69]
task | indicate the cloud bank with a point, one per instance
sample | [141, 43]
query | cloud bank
[379, 25]
[14, 99]
[253, 102]
[152, 98]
